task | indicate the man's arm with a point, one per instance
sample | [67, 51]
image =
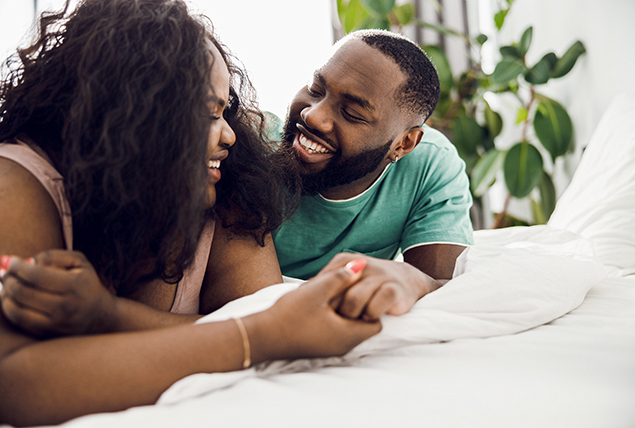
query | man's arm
[435, 260]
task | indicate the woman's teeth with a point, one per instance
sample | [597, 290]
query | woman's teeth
[311, 146]
[213, 164]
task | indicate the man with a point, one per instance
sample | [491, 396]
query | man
[375, 180]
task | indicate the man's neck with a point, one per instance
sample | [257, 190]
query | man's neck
[355, 188]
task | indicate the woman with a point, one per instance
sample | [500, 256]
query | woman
[114, 110]
[123, 112]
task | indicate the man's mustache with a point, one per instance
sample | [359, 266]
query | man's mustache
[292, 128]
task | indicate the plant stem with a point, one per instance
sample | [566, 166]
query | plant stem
[531, 101]
[498, 221]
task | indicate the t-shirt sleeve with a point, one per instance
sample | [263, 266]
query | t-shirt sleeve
[441, 209]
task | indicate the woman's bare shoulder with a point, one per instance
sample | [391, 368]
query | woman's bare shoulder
[29, 220]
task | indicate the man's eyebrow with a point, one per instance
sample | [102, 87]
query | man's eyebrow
[354, 98]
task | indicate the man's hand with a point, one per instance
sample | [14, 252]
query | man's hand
[56, 293]
[386, 287]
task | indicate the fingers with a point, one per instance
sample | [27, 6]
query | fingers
[334, 283]
[28, 296]
[338, 261]
[383, 301]
[369, 299]
[27, 318]
[61, 259]
[358, 331]
[40, 276]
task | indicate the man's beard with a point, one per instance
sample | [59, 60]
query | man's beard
[338, 171]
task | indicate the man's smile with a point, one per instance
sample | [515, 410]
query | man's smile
[310, 148]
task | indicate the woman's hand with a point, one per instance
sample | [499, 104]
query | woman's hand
[57, 293]
[304, 324]
[386, 287]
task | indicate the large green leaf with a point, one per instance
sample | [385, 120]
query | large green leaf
[356, 16]
[522, 169]
[553, 127]
[341, 10]
[380, 22]
[507, 70]
[551, 59]
[493, 120]
[541, 72]
[405, 13]
[466, 135]
[538, 74]
[536, 211]
[525, 41]
[380, 7]
[510, 52]
[484, 172]
[547, 196]
[566, 63]
[441, 63]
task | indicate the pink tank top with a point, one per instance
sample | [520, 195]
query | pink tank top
[32, 158]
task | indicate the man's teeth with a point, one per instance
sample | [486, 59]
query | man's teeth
[311, 146]
[213, 164]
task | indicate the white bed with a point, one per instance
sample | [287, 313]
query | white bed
[536, 330]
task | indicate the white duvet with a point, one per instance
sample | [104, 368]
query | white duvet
[458, 358]
[512, 280]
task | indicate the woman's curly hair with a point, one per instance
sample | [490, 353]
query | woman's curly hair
[115, 93]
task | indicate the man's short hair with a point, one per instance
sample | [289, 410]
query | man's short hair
[419, 94]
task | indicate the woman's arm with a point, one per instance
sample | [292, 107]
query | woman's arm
[237, 266]
[52, 381]
[29, 221]
[29, 225]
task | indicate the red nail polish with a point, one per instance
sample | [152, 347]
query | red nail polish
[30, 261]
[356, 265]
[5, 261]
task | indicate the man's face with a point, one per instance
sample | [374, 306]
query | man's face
[341, 127]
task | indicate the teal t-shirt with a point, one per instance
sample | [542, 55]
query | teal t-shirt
[422, 198]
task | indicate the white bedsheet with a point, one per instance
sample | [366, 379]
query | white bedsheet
[484, 351]
[502, 345]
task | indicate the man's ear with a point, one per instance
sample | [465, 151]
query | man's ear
[409, 140]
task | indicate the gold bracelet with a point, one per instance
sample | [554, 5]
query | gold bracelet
[246, 347]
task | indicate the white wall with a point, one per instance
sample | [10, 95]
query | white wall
[607, 29]
[280, 42]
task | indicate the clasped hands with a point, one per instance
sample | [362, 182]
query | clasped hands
[386, 287]
[59, 293]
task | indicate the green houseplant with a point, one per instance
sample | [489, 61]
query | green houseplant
[464, 114]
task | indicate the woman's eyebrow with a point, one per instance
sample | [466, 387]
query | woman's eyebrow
[216, 100]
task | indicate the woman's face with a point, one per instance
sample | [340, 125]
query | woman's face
[221, 136]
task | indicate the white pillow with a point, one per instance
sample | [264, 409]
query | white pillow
[599, 204]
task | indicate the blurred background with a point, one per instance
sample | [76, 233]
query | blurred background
[524, 82]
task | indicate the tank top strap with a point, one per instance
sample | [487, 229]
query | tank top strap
[187, 298]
